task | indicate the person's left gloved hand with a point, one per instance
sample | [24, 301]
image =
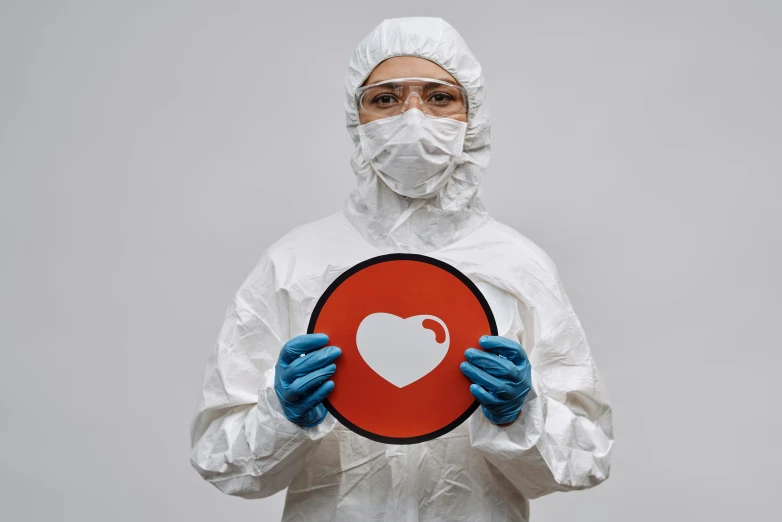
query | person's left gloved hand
[502, 377]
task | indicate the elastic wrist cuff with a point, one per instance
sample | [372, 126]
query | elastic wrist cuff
[504, 419]
[320, 419]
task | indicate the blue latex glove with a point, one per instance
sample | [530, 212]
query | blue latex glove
[302, 383]
[502, 377]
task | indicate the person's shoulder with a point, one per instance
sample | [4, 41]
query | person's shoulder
[505, 252]
[302, 252]
[314, 248]
[314, 236]
[515, 246]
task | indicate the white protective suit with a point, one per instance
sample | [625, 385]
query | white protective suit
[244, 445]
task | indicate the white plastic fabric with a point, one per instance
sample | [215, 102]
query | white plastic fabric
[562, 439]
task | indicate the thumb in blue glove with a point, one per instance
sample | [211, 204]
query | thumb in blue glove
[501, 375]
[301, 378]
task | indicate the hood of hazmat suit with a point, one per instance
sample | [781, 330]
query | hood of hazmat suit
[562, 439]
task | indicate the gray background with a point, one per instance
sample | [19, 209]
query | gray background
[150, 151]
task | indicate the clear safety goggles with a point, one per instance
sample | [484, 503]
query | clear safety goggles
[392, 97]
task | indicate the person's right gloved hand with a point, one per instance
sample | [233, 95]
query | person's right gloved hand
[301, 378]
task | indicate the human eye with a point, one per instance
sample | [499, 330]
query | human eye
[441, 98]
[385, 99]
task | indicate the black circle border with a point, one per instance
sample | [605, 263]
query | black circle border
[383, 259]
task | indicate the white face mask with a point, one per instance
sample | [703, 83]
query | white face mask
[412, 153]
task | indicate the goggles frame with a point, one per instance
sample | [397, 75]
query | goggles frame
[361, 90]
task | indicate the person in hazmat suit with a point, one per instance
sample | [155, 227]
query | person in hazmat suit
[422, 146]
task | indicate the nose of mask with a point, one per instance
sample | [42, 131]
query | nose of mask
[412, 153]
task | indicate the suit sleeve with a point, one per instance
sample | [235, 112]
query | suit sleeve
[563, 437]
[241, 441]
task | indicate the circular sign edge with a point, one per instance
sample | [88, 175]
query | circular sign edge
[401, 257]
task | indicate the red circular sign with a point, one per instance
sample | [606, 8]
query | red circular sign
[403, 322]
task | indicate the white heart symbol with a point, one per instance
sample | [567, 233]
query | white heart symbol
[401, 350]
